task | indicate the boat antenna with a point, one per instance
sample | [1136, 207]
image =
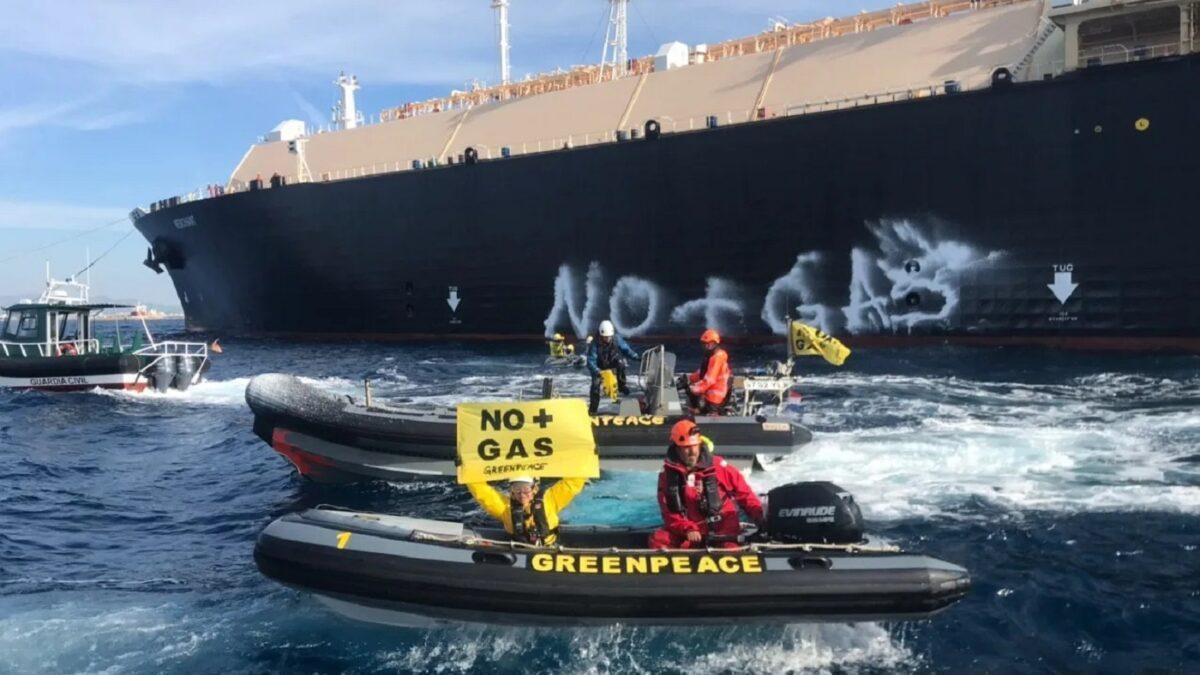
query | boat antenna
[501, 7]
[616, 38]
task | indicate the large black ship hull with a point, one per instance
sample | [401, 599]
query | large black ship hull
[1060, 211]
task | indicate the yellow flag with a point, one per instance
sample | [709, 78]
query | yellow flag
[806, 340]
[543, 439]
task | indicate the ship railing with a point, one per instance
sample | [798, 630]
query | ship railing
[53, 348]
[1110, 54]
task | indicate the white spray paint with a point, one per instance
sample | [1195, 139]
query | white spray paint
[906, 261]
[720, 308]
[632, 295]
[798, 283]
[570, 293]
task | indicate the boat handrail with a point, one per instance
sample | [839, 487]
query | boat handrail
[80, 347]
[174, 348]
[169, 348]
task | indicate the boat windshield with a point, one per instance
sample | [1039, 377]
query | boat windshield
[21, 326]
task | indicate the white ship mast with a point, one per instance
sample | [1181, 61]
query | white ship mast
[616, 38]
[345, 113]
[501, 7]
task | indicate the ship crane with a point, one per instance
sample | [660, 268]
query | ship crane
[616, 38]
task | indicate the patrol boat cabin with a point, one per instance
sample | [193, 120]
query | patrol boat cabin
[51, 344]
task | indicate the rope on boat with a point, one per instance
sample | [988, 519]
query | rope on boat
[480, 542]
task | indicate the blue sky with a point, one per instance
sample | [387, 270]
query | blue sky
[106, 105]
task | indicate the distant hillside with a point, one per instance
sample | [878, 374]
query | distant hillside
[171, 308]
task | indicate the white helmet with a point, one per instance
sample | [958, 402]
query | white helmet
[606, 329]
[521, 479]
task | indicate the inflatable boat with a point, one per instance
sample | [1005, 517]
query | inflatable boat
[408, 571]
[333, 438]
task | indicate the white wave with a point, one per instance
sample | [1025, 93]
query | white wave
[76, 637]
[810, 648]
[945, 440]
[636, 649]
[207, 392]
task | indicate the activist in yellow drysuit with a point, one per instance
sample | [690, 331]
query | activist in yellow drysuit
[539, 524]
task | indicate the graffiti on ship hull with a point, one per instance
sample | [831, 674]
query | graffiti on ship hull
[908, 280]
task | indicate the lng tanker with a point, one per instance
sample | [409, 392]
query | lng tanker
[988, 171]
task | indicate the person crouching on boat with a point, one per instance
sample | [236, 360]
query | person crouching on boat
[605, 354]
[537, 521]
[699, 494]
[559, 348]
[708, 387]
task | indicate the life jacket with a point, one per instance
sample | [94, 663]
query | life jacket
[557, 348]
[718, 394]
[712, 502]
[607, 355]
[541, 532]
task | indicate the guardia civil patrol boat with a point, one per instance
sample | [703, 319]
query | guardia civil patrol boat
[50, 345]
[336, 439]
[812, 565]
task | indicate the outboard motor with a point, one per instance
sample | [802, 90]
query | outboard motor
[658, 371]
[185, 370]
[164, 374]
[817, 512]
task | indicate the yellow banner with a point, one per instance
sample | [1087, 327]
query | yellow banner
[543, 439]
[804, 340]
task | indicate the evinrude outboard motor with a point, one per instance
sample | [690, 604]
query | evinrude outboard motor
[164, 373]
[817, 512]
[184, 372]
[658, 371]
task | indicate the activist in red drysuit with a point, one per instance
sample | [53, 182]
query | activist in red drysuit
[689, 473]
[709, 385]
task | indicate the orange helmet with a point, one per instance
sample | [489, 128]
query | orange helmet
[710, 335]
[685, 433]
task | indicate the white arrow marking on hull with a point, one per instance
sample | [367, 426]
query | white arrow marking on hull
[1063, 286]
[453, 300]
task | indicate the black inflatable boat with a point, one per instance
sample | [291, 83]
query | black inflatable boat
[405, 571]
[331, 438]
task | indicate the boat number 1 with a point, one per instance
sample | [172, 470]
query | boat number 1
[343, 539]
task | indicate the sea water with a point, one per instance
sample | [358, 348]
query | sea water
[1069, 485]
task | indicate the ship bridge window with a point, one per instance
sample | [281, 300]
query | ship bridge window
[1129, 37]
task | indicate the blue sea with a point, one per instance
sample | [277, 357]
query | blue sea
[1069, 484]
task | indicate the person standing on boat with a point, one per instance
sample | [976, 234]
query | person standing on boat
[537, 521]
[708, 387]
[699, 494]
[605, 354]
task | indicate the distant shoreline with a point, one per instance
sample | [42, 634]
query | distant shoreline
[118, 317]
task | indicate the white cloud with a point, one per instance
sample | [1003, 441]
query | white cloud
[57, 216]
